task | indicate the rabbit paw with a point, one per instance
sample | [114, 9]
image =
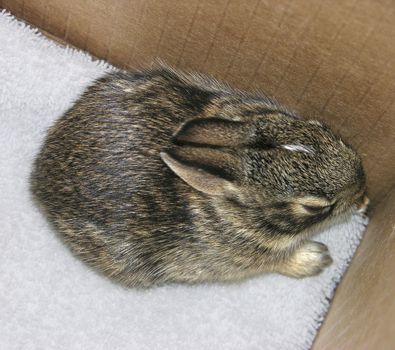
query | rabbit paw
[308, 260]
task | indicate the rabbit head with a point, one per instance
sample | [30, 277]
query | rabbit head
[273, 173]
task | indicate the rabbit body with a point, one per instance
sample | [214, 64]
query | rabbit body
[162, 176]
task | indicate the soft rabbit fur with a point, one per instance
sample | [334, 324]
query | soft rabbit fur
[161, 176]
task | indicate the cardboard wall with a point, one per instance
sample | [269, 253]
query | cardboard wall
[331, 60]
[362, 314]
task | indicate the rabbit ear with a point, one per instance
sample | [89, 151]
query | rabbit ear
[215, 132]
[203, 169]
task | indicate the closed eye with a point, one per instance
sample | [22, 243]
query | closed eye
[315, 209]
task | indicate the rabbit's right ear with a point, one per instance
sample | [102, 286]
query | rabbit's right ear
[215, 132]
[206, 170]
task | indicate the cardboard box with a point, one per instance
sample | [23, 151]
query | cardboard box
[330, 60]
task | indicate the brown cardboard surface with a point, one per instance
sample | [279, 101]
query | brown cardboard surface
[363, 311]
[331, 60]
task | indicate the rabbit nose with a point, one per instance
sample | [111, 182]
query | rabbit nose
[362, 203]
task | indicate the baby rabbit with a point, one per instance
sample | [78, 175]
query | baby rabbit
[162, 176]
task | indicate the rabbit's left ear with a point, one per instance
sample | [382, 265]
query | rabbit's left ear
[214, 132]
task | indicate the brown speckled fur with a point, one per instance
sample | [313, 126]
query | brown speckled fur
[102, 182]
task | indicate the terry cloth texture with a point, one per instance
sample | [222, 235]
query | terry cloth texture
[50, 300]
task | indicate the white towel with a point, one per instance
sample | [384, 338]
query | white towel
[50, 300]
